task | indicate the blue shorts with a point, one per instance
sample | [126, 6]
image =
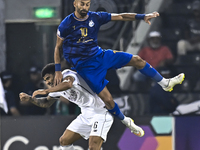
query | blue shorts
[94, 70]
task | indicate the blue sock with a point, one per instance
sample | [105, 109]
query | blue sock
[151, 72]
[116, 112]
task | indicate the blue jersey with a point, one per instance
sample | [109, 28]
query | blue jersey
[80, 36]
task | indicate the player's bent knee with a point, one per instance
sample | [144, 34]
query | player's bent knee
[137, 59]
[137, 62]
[95, 143]
[63, 141]
[94, 146]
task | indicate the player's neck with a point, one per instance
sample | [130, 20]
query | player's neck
[77, 15]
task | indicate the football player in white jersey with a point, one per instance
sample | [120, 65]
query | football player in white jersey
[93, 123]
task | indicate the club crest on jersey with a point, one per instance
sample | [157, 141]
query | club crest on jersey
[91, 23]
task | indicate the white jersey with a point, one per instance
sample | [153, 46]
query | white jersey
[82, 95]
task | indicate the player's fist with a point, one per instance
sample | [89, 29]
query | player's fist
[149, 16]
[24, 97]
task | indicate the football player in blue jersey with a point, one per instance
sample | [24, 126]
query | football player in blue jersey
[77, 35]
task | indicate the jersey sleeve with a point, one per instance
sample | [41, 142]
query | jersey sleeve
[62, 29]
[67, 73]
[104, 17]
[54, 94]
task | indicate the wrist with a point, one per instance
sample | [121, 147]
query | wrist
[46, 91]
[139, 16]
[57, 67]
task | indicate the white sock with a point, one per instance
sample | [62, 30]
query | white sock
[67, 147]
[126, 120]
[164, 82]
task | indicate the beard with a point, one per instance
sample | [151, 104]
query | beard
[83, 13]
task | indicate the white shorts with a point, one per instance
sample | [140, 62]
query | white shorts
[98, 125]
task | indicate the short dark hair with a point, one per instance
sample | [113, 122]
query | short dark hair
[49, 68]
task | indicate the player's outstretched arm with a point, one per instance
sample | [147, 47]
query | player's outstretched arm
[41, 102]
[58, 74]
[65, 85]
[134, 16]
[123, 17]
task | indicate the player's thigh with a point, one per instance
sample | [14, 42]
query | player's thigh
[80, 125]
[100, 128]
[95, 142]
[101, 125]
[69, 137]
[115, 59]
[93, 73]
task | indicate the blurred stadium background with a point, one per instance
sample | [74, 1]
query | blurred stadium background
[28, 36]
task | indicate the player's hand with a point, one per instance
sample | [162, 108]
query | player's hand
[39, 92]
[58, 78]
[24, 97]
[149, 16]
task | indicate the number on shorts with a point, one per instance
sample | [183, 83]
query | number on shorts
[95, 124]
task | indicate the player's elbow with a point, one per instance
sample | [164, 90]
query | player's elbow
[121, 17]
[57, 49]
[116, 17]
[67, 86]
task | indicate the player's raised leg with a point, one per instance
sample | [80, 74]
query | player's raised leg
[146, 69]
[67, 140]
[115, 111]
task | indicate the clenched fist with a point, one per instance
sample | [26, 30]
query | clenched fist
[24, 97]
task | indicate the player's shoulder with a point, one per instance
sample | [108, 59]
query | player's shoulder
[67, 20]
[93, 13]
[68, 71]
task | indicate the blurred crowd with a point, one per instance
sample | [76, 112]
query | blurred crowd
[183, 31]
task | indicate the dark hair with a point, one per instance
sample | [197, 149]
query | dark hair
[49, 68]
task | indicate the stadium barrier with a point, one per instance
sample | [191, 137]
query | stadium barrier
[43, 132]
